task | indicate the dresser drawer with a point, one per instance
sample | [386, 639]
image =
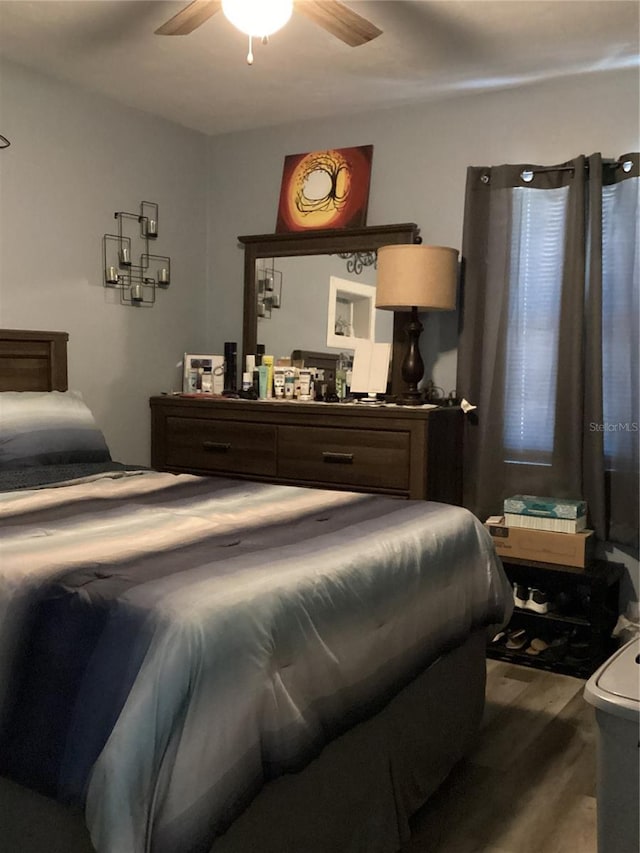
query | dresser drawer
[403, 451]
[345, 457]
[221, 446]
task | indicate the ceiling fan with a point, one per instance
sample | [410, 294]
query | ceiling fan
[332, 15]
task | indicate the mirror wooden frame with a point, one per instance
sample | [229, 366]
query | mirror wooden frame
[322, 242]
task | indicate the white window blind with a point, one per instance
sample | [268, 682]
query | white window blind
[535, 285]
[620, 312]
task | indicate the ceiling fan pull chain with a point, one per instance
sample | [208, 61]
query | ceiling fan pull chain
[250, 54]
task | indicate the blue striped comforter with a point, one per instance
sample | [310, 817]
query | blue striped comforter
[169, 643]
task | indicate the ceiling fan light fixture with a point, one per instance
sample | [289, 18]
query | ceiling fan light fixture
[258, 17]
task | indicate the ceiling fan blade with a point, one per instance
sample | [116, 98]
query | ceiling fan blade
[337, 19]
[189, 18]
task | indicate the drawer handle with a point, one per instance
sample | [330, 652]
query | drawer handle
[337, 458]
[216, 446]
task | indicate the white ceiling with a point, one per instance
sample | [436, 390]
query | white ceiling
[429, 48]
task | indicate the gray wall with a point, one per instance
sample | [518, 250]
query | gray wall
[75, 159]
[420, 158]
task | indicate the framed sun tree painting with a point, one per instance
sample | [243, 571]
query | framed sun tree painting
[325, 189]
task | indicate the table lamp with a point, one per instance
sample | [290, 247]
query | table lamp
[412, 278]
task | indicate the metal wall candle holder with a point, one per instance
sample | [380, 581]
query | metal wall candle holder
[137, 282]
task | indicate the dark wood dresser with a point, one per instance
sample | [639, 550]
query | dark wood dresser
[394, 450]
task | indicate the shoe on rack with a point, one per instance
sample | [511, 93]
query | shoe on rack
[520, 595]
[578, 652]
[579, 648]
[565, 603]
[517, 639]
[557, 648]
[538, 601]
[537, 646]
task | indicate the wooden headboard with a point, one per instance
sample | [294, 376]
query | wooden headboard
[32, 360]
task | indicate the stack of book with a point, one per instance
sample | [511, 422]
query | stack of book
[550, 530]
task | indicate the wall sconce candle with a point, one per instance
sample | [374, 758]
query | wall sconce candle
[163, 276]
[149, 215]
[136, 293]
[125, 257]
[111, 275]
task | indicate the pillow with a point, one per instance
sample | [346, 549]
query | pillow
[48, 428]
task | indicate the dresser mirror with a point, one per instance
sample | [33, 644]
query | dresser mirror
[278, 267]
[338, 305]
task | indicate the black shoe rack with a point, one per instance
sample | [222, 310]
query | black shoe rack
[577, 628]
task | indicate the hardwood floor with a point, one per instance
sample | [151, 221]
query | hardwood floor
[529, 784]
[527, 787]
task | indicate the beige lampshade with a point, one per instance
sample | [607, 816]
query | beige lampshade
[424, 276]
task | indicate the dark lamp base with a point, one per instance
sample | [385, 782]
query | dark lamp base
[412, 366]
[410, 398]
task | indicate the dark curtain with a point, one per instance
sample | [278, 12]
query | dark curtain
[590, 236]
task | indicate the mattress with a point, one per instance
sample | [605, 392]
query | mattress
[170, 643]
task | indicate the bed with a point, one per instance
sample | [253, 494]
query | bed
[204, 664]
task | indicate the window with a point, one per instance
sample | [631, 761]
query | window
[535, 286]
[548, 348]
[620, 311]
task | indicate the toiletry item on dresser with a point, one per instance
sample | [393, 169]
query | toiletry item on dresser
[217, 372]
[296, 382]
[259, 354]
[331, 395]
[278, 383]
[230, 366]
[248, 391]
[192, 379]
[263, 375]
[341, 377]
[305, 384]
[268, 360]
[206, 381]
[289, 383]
[320, 385]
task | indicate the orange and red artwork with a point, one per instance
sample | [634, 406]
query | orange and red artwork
[325, 189]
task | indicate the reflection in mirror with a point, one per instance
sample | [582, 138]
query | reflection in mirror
[312, 244]
[269, 288]
[306, 305]
[351, 314]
